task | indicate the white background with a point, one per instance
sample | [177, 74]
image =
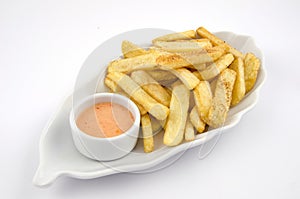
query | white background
[44, 43]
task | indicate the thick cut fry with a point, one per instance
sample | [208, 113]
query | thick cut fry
[183, 45]
[147, 134]
[190, 34]
[217, 41]
[196, 120]
[162, 76]
[197, 58]
[171, 61]
[153, 60]
[152, 87]
[216, 68]
[165, 60]
[116, 89]
[239, 88]
[147, 61]
[187, 77]
[252, 65]
[189, 131]
[203, 99]
[178, 114]
[156, 109]
[222, 98]
[129, 49]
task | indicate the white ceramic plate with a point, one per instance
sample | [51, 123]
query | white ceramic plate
[58, 155]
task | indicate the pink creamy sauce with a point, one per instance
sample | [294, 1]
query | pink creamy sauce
[105, 120]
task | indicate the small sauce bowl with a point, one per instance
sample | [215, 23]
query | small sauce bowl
[106, 148]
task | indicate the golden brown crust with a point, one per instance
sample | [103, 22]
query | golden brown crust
[239, 88]
[222, 98]
[189, 34]
[147, 134]
[252, 65]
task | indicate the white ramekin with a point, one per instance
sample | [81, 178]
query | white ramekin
[105, 149]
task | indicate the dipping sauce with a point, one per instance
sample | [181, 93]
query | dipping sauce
[105, 120]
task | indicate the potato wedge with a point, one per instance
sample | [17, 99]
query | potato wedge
[156, 109]
[152, 87]
[239, 88]
[183, 45]
[202, 32]
[222, 98]
[147, 133]
[216, 68]
[187, 77]
[197, 122]
[129, 49]
[190, 34]
[189, 131]
[252, 65]
[203, 99]
[178, 114]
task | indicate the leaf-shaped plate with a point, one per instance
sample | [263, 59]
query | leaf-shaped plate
[58, 155]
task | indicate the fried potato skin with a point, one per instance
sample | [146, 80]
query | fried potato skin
[217, 67]
[203, 99]
[222, 98]
[183, 45]
[189, 34]
[147, 133]
[196, 120]
[147, 61]
[189, 131]
[252, 65]
[239, 88]
[129, 49]
[202, 32]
